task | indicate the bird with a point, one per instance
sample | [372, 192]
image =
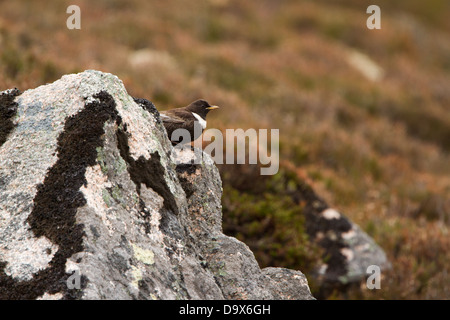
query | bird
[191, 118]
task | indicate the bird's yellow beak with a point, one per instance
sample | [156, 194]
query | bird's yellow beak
[212, 107]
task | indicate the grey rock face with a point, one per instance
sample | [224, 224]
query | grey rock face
[349, 251]
[93, 205]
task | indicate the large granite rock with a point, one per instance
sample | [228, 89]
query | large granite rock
[93, 205]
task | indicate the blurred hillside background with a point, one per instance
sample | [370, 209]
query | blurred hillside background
[364, 115]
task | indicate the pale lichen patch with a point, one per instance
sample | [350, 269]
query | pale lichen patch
[94, 193]
[145, 256]
[136, 273]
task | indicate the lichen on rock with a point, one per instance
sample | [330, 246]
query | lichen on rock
[88, 183]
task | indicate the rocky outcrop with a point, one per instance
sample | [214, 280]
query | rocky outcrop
[93, 205]
[348, 250]
[348, 254]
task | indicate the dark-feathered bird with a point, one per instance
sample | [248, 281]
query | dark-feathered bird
[187, 118]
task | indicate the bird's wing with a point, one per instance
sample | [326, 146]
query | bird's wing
[170, 118]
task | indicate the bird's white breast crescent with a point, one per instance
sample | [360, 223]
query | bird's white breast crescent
[200, 120]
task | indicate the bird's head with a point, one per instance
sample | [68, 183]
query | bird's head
[201, 107]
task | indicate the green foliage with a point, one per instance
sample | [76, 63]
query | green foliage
[15, 61]
[270, 223]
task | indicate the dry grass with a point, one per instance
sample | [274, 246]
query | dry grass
[377, 149]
